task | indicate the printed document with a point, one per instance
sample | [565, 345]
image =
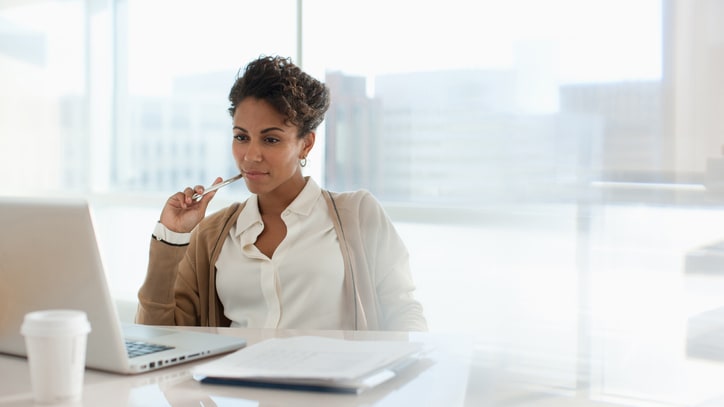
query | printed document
[312, 363]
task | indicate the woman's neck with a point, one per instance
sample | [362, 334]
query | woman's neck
[275, 202]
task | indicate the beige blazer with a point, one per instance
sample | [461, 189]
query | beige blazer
[180, 288]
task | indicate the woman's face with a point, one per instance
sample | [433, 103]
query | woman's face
[267, 150]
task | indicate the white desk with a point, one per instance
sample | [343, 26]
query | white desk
[441, 381]
[460, 372]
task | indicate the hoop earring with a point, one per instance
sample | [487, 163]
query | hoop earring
[303, 162]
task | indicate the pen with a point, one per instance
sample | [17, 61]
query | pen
[197, 197]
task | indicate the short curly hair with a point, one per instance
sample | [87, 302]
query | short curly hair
[302, 99]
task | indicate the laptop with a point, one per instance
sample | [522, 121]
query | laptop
[49, 259]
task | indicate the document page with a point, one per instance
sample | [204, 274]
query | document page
[309, 358]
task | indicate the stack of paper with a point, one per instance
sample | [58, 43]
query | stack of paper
[311, 363]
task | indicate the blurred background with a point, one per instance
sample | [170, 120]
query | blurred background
[553, 166]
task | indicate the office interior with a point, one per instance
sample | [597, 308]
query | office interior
[555, 167]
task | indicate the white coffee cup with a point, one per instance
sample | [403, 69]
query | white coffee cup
[56, 346]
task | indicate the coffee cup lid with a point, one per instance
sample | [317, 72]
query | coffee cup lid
[55, 322]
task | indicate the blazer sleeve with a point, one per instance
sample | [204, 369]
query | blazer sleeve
[168, 296]
[389, 266]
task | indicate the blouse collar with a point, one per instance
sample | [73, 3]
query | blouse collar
[303, 205]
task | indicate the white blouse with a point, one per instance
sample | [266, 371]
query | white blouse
[301, 286]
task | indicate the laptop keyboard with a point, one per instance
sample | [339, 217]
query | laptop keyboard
[139, 348]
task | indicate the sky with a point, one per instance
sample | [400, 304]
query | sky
[573, 40]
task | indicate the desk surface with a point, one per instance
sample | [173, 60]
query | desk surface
[600, 369]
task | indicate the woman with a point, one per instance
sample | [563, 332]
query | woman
[291, 256]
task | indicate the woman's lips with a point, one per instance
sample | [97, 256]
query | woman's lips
[254, 174]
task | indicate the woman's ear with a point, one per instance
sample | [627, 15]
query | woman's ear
[308, 139]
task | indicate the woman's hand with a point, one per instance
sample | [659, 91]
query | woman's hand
[182, 213]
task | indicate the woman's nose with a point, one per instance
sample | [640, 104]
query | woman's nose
[253, 153]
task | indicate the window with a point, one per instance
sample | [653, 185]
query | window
[43, 107]
[175, 65]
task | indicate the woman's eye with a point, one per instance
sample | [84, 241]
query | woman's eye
[271, 140]
[240, 137]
